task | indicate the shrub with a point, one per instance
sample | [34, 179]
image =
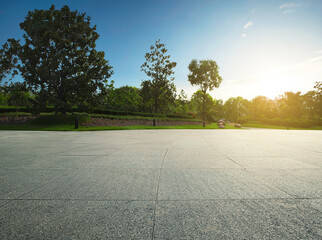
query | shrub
[59, 119]
[293, 122]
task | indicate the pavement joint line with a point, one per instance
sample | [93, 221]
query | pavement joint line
[224, 154]
[160, 200]
[158, 168]
[80, 200]
[163, 200]
[271, 184]
[157, 193]
[98, 167]
[307, 150]
[45, 184]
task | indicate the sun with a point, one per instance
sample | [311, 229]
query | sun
[274, 85]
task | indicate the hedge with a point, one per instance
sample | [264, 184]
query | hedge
[49, 109]
[293, 122]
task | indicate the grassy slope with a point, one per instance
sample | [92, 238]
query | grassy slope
[66, 123]
[49, 122]
[70, 127]
[260, 125]
[130, 117]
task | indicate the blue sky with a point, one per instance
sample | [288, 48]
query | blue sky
[261, 47]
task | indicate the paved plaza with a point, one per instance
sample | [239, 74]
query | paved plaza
[161, 184]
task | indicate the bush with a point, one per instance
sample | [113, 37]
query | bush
[59, 119]
[128, 113]
[293, 122]
[50, 109]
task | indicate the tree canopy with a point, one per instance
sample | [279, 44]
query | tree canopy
[205, 74]
[160, 89]
[58, 58]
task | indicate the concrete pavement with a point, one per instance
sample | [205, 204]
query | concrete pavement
[161, 184]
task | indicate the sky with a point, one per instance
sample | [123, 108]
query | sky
[261, 47]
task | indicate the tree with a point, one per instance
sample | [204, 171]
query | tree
[218, 108]
[310, 103]
[181, 107]
[125, 98]
[3, 98]
[158, 67]
[291, 105]
[17, 95]
[262, 107]
[318, 98]
[8, 59]
[236, 109]
[58, 59]
[204, 73]
[197, 101]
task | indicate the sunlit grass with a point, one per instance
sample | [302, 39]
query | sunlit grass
[260, 125]
[70, 127]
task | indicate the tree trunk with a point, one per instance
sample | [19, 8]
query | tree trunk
[203, 109]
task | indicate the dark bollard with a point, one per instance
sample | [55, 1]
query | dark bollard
[76, 123]
[153, 122]
[204, 124]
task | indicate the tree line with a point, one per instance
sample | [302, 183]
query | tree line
[60, 67]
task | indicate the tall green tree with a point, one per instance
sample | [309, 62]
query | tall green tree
[17, 95]
[291, 105]
[218, 108]
[125, 98]
[309, 101]
[205, 74]
[318, 98]
[3, 97]
[58, 58]
[181, 106]
[262, 107]
[197, 102]
[160, 88]
[236, 109]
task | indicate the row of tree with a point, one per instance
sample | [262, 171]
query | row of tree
[60, 66]
[290, 105]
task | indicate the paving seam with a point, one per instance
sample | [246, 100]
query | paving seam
[303, 149]
[250, 171]
[157, 194]
[146, 200]
[271, 184]
[17, 198]
[79, 199]
[211, 146]
[47, 183]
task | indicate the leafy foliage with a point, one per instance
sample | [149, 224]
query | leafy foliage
[124, 98]
[58, 60]
[158, 92]
[236, 109]
[204, 73]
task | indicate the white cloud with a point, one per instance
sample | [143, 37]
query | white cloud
[243, 35]
[249, 24]
[287, 11]
[290, 5]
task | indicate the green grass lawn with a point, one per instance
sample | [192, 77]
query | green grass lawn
[49, 122]
[70, 127]
[261, 125]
